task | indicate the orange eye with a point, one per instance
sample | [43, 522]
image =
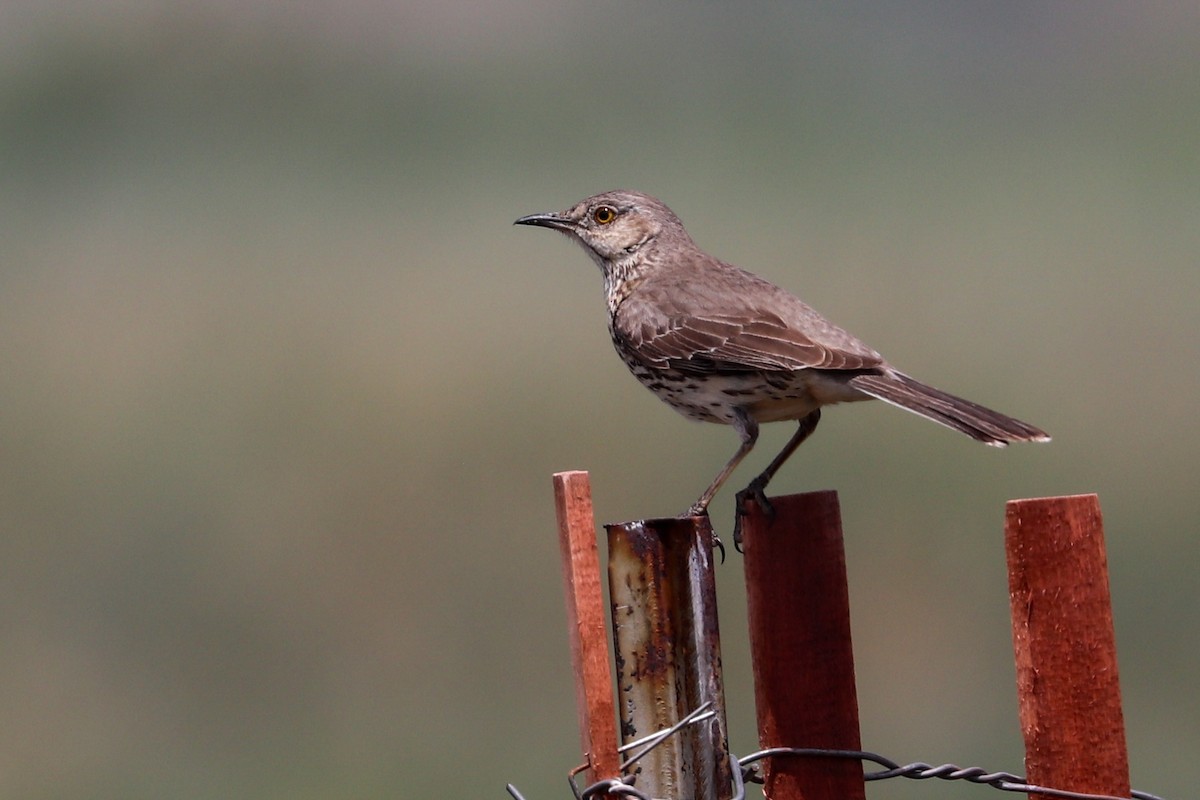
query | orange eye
[604, 215]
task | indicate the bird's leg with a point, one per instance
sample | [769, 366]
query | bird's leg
[747, 429]
[757, 487]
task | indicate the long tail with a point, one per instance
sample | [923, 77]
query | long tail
[974, 420]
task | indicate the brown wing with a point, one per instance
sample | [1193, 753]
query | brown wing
[733, 321]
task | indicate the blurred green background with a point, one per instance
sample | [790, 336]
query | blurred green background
[281, 387]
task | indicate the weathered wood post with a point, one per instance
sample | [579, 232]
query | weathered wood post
[799, 609]
[1066, 652]
[585, 624]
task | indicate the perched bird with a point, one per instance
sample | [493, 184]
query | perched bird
[720, 344]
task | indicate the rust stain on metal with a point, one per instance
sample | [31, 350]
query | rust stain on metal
[667, 647]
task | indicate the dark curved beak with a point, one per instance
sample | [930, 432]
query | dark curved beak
[546, 220]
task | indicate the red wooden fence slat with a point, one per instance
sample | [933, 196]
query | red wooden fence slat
[1069, 692]
[799, 612]
[585, 623]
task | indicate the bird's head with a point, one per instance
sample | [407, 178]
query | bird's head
[613, 227]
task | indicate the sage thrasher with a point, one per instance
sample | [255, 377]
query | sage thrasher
[719, 344]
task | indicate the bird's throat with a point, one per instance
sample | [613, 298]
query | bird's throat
[621, 279]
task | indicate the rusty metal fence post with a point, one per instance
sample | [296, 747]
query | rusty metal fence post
[668, 654]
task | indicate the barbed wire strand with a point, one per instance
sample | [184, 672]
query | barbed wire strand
[1004, 781]
[701, 713]
[615, 786]
[655, 739]
[746, 769]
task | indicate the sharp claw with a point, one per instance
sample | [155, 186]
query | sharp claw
[737, 530]
[719, 545]
[739, 513]
[701, 511]
[756, 491]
